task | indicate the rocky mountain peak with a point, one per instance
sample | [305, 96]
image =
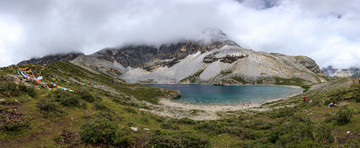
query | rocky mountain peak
[309, 64]
[211, 58]
[149, 56]
[335, 72]
[52, 58]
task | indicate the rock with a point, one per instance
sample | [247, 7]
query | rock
[134, 128]
[17, 101]
[146, 129]
[231, 59]
[308, 63]
[210, 60]
[2, 100]
[175, 94]
[332, 72]
[226, 59]
[51, 59]
[116, 81]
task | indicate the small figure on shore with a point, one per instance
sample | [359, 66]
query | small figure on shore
[249, 104]
[331, 104]
[305, 99]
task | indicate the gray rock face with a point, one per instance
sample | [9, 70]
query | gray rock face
[334, 72]
[308, 63]
[151, 57]
[226, 59]
[51, 59]
[144, 56]
[211, 61]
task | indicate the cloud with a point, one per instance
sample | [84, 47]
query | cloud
[325, 30]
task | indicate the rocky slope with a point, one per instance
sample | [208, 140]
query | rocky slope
[216, 59]
[334, 72]
[51, 59]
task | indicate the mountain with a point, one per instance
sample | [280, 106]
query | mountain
[333, 72]
[356, 74]
[213, 59]
[51, 59]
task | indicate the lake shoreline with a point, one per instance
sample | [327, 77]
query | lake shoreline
[291, 86]
[176, 109]
[220, 107]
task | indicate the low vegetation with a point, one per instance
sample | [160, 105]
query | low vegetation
[193, 77]
[104, 114]
[239, 79]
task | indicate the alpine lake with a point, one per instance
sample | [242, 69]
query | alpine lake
[228, 95]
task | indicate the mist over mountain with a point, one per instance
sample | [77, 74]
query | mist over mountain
[323, 30]
[214, 58]
[334, 72]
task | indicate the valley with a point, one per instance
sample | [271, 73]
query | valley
[135, 115]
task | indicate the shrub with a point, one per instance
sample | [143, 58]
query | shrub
[85, 95]
[215, 127]
[99, 106]
[28, 90]
[169, 125]
[344, 115]
[177, 140]
[99, 130]
[282, 112]
[305, 87]
[291, 130]
[356, 89]
[14, 125]
[11, 89]
[108, 115]
[46, 105]
[124, 138]
[185, 121]
[352, 143]
[70, 100]
[8, 89]
[209, 126]
[252, 134]
[11, 120]
[272, 136]
[122, 101]
[131, 110]
[323, 134]
[49, 108]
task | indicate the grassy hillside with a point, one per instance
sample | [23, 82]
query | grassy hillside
[102, 110]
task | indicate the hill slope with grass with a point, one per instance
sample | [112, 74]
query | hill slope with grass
[107, 112]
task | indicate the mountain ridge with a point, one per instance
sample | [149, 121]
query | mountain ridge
[334, 72]
[196, 61]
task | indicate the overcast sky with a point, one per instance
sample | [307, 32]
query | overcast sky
[326, 30]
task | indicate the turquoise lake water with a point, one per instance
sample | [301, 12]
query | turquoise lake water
[228, 95]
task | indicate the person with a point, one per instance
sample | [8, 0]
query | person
[331, 104]
[305, 99]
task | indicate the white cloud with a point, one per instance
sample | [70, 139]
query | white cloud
[325, 30]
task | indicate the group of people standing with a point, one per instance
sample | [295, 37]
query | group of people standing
[331, 104]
